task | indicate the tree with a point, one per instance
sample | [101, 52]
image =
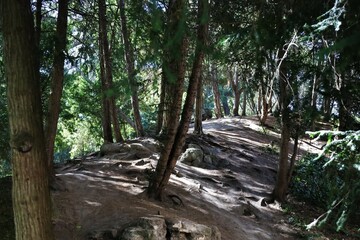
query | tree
[31, 196]
[216, 92]
[110, 115]
[56, 84]
[129, 57]
[176, 135]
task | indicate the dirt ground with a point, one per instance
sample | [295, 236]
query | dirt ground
[104, 193]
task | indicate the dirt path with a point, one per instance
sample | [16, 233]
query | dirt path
[107, 193]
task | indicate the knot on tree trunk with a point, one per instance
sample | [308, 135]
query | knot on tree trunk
[22, 142]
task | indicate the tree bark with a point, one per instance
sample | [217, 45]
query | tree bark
[235, 85]
[281, 185]
[198, 128]
[129, 56]
[172, 151]
[174, 65]
[243, 112]
[109, 105]
[216, 93]
[161, 111]
[31, 196]
[56, 85]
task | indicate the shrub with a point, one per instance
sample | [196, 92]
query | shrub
[332, 178]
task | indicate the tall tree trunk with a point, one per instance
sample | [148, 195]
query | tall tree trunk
[129, 56]
[161, 111]
[234, 81]
[174, 65]
[109, 105]
[31, 196]
[216, 92]
[172, 151]
[281, 185]
[115, 120]
[56, 84]
[198, 128]
[243, 112]
[225, 105]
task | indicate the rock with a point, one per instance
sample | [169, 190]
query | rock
[193, 156]
[186, 229]
[130, 150]
[147, 228]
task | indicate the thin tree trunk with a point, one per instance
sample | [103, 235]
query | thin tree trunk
[127, 119]
[56, 85]
[175, 66]
[216, 92]
[243, 112]
[161, 111]
[106, 115]
[131, 71]
[234, 81]
[115, 120]
[292, 159]
[281, 185]
[173, 150]
[30, 188]
[109, 104]
[198, 128]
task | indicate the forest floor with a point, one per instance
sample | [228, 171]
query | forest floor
[228, 191]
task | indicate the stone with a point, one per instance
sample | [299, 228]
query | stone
[193, 156]
[186, 229]
[146, 228]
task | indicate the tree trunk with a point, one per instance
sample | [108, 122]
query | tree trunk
[293, 158]
[56, 85]
[173, 53]
[129, 56]
[234, 80]
[198, 128]
[161, 111]
[243, 112]
[115, 120]
[31, 196]
[109, 103]
[216, 92]
[281, 185]
[174, 65]
[225, 105]
[172, 151]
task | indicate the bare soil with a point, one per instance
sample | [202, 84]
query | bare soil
[107, 193]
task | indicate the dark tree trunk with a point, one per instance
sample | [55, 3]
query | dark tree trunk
[235, 85]
[174, 65]
[216, 92]
[198, 128]
[109, 103]
[161, 111]
[281, 185]
[56, 84]
[225, 105]
[172, 151]
[243, 112]
[31, 196]
[293, 158]
[129, 56]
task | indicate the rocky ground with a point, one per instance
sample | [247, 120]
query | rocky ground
[219, 185]
[218, 189]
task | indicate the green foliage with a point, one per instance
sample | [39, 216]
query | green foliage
[332, 178]
[310, 181]
[79, 127]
